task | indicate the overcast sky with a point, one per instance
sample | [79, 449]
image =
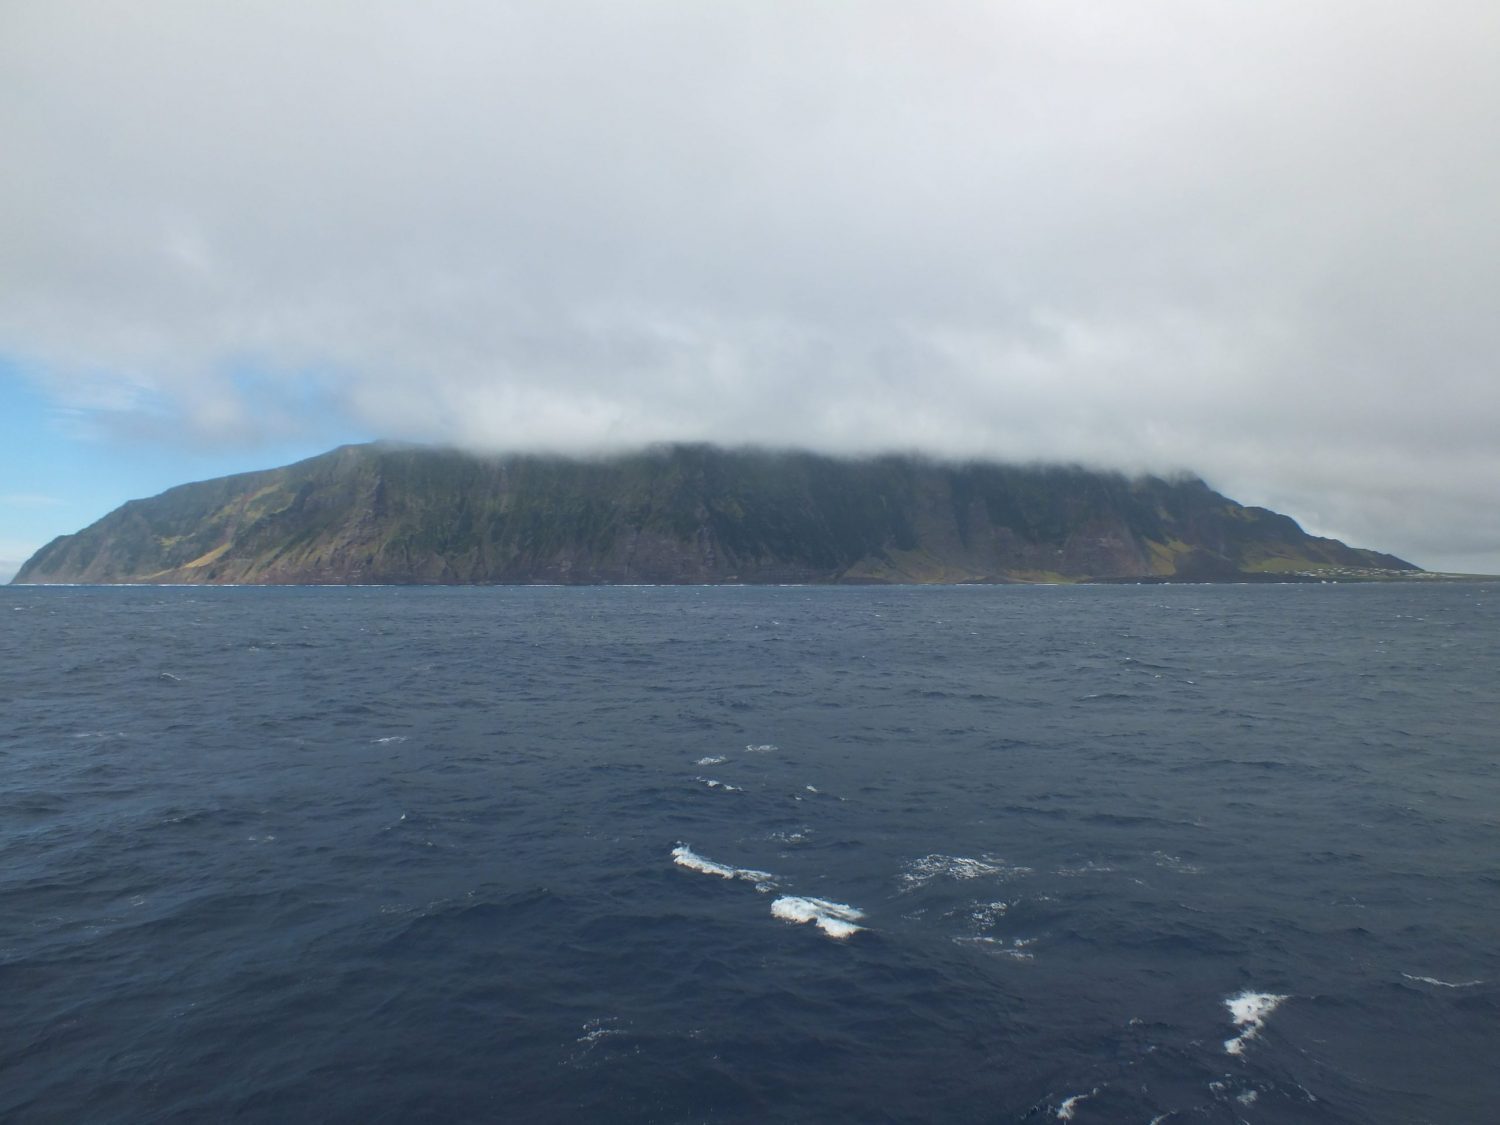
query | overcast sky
[1256, 240]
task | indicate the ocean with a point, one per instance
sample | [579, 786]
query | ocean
[750, 854]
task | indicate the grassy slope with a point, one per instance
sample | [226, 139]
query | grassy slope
[681, 513]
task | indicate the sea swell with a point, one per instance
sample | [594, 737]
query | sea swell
[394, 854]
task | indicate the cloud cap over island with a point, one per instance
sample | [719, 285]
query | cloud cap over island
[1258, 242]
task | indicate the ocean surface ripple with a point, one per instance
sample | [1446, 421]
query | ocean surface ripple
[1091, 854]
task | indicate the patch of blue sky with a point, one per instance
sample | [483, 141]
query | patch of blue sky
[66, 462]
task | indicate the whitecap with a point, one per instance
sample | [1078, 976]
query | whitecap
[836, 919]
[1250, 1010]
[924, 870]
[763, 748]
[1443, 983]
[1017, 949]
[987, 913]
[390, 738]
[711, 761]
[714, 783]
[1088, 868]
[684, 856]
[1066, 1109]
[1176, 863]
[595, 1030]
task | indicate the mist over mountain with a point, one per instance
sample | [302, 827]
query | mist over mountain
[383, 513]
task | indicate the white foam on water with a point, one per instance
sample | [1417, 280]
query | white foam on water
[924, 870]
[711, 761]
[1069, 1105]
[836, 919]
[1016, 950]
[1443, 983]
[1248, 1097]
[595, 1030]
[684, 856]
[714, 783]
[1088, 868]
[763, 748]
[390, 738]
[986, 913]
[1249, 1010]
[1176, 863]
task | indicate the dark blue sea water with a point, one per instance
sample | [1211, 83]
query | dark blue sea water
[1114, 854]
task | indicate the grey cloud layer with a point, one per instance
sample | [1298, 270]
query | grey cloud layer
[1254, 240]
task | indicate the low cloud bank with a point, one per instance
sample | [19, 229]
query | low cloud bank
[1254, 241]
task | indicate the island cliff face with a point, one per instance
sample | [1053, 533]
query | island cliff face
[684, 514]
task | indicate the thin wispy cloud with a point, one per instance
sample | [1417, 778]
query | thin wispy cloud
[1258, 241]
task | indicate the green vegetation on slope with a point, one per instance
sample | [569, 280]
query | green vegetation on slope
[686, 513]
